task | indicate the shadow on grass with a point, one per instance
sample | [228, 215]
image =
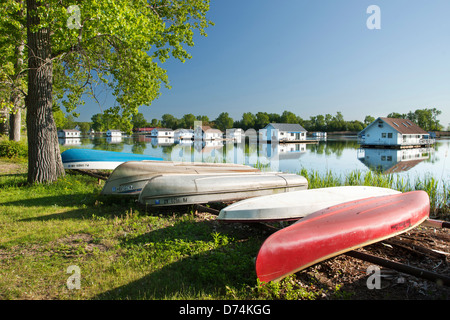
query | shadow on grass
[90, 200]
[199, 273]
[59, 200]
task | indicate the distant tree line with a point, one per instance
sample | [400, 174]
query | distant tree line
[425, 118]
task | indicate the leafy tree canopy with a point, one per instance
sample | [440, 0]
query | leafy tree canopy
[117, 43]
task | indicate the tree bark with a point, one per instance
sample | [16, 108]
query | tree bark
[15, 117]
[44, 158]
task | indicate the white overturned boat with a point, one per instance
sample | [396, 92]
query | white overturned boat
[296, 205]
[185, 189]
[130, 177]
[99, 159]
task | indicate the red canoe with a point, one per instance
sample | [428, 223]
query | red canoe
[338, 229]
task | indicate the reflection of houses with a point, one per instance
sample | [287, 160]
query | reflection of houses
[183, 134]
[69, 141]
[113, 133]
[282, 150]
[69, 133]
[283, 132]
[208, 150]
[320, 135]
[392, 160]
[114, 139]
[207, 146]
[394, 132]
[161, 141]
[207, 133]
[162, 133]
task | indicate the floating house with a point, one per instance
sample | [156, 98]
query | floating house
[69, 133]
[394, 133]
[235, 134]
[283, 132]
[207, 133]
[162, 133]
[113, 133]
[144, 130]
[184, 134]
[319, 135]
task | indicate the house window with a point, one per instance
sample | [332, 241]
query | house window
[383, 135]
[390, 135]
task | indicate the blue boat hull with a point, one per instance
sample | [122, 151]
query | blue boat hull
[99, 159]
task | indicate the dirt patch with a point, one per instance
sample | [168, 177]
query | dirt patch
[7, 167]
[345, 277]
[71, 246]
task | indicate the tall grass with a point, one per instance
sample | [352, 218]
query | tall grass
[438, 191]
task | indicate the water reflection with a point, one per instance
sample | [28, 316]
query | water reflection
[341, 156]
[393, 160]
[69, 141]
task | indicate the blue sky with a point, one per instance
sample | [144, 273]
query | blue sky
[312, 57]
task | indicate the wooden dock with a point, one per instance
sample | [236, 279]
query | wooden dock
[309, 141]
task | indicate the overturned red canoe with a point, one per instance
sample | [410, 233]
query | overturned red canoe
[338, 229]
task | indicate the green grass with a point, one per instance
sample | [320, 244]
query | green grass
[124, 252]
[438, 191]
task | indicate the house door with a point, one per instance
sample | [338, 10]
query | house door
[297, 136]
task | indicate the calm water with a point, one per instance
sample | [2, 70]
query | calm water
[340, 156]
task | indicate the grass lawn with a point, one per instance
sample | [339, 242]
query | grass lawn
[121, 250]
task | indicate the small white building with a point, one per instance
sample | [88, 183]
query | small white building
[184, 134]
[319, 134]
[69, 133]
[235, 134]
[207, 133]
[162, 133]
[283, 132]
[394, 132]
[113, 133]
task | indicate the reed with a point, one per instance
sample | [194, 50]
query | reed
[438, 191]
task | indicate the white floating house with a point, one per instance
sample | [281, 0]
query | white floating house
[394, 132]
[113, 133]
[69, 133]
[184, 134]
[162, 133]
[235, 134]
[283, 132]
[207, 133]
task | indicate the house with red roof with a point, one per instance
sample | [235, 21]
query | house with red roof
[394, 132]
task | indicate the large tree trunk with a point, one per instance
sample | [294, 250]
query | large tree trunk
[44, 158]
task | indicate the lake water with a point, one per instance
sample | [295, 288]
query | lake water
[338, 155]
